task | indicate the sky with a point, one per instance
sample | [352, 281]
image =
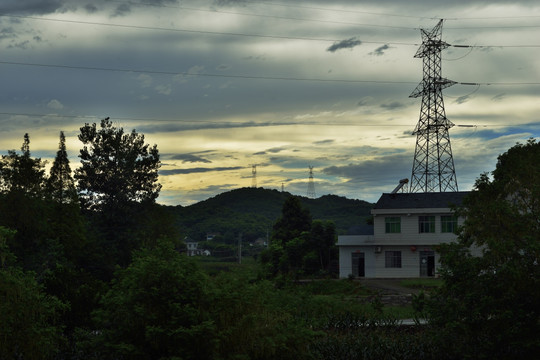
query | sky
[221, 85]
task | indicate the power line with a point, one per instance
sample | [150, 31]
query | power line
[276, 16]
[187, 73]
[222, 33]
[253, 77]
[250, 123]
[157, 28]
[326, 9]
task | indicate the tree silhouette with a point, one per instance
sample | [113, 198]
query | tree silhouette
[117, 167]
[60, 184]
[22, 173]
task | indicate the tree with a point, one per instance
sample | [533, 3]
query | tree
[22, 205]
[60, 184]
[156, 309]
[116, 167]
[28, 316]
[22, 173]
[488, 304]
[117, 183]
[294, 220]
[320, 246]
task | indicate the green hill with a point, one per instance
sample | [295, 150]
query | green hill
[253, 211]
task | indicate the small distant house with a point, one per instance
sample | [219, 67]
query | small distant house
[407, 227]
[193, 249]
[211, 236]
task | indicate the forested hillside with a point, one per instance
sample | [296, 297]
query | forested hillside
[253, 211]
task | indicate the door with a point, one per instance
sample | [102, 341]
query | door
[427, 263]
[358, 264]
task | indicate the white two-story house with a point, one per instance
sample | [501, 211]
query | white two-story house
[407, 227]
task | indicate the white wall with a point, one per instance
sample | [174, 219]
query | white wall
[375, 261]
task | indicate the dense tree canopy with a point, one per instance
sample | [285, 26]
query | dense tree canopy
[298, 244]
[294, 220]
[488, 306]
[116, 167]
[154, 309]
[22, 173]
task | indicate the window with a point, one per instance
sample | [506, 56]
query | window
[426, 224]
[448, 224]
[392, 259]
[392, 224]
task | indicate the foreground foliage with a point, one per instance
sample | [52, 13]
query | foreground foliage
[487, 306]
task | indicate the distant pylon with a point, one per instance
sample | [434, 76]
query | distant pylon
[311, 184]
[433, 167]
[253, 176]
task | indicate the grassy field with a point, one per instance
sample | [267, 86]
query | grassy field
[312, 297]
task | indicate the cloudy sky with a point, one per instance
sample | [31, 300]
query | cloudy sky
[221, 85]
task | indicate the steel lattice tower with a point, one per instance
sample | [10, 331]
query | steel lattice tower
[253, 176]
[433, 167]
[311, 184]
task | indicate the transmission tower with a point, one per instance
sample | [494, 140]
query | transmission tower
[433, 167]
[253, 176]
[311, 184]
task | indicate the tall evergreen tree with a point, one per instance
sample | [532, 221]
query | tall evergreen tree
[22, 173]
[60, 185]
[294, 220]
[22, 207]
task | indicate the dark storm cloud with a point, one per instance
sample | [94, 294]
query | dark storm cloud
[498, 97]
[393, 105]
[188, 126]
[122, 10]
[197, 170]
[41, 7]
[90, 8]
[324, 142]
[275, 150]
[385, 168]
[344, 44]
[192, 158]
[30, 6]
[229, 2]
[380, 50]
[462, 99]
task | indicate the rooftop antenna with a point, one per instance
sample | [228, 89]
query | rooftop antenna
[253, 176]
[433, 167]
[311, 184]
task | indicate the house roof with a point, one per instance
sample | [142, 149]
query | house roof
[430, 200]
[362, 229]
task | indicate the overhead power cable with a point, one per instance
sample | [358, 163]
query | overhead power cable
[187, 73]
[318, 8]
[236, 122]
[224, 33]
[254, 77]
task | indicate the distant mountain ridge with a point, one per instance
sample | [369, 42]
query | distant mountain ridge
[253, 211]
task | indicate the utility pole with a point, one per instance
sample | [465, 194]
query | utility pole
[433, 167]
[240, 248]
